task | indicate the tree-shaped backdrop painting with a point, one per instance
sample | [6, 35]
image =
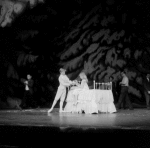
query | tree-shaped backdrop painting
[100, 48]
[101, 40]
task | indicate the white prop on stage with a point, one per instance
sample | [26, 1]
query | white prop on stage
[102, 86]
[104, 97]
[99, 99]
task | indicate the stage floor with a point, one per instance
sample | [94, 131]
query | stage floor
[122, 119]
[37, 123]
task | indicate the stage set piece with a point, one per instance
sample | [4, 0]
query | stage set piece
[97, 100]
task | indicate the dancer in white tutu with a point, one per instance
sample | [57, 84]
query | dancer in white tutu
[72, 98]
[82, 86]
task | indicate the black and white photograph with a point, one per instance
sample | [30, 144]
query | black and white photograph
[76, 71]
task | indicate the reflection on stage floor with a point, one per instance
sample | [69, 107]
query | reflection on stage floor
[123, 119]
[30, 127]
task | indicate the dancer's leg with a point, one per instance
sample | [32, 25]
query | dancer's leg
[58, 95]
[61, 106]
[62, 101]
[54, 103]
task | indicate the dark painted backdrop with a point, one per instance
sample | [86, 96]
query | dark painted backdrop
[102, 38]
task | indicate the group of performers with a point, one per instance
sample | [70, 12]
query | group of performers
[80, 99]
[77, 100]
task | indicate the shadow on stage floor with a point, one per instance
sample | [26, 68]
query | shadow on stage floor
[32, 127]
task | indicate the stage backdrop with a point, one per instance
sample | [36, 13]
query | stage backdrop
[101, 38]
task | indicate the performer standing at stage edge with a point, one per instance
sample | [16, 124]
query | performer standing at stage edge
[146, 84]
[124, 92]
[61, 91]
[114, 90]
[28, 100]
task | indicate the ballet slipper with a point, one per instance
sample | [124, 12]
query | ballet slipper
[50, 110]
[61, 111]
